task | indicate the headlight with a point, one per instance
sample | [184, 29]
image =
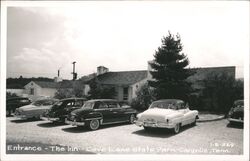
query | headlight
[138, 116]
[168, 120]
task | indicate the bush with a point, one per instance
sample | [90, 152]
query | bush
[220, 91]
[145, 96]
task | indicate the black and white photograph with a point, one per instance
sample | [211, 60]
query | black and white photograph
[125, 80]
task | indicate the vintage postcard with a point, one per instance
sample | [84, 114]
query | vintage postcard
[125, 80]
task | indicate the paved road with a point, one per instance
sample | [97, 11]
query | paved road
[204, 138]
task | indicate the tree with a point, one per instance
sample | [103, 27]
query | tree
[169, 70]
[220, 91]
[74, 89]
[98, 90]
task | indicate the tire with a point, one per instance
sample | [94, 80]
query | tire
[94, 124]
[176, 129]
[132, 118]
[194, 123]
[7, 113]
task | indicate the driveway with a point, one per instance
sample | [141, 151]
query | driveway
[214, 137]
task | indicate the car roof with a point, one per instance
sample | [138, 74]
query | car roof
[238, 101]
[170, 100]
[102, 100]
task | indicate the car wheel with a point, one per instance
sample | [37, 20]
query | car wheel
[94, 124]
[176, 128]
[7, 113]
[194, 123]
[132, 118]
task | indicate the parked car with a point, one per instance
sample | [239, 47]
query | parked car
[59, 111]
[35, 109]
[167, 113]
[236, 113]
[15, 102]
[99, 112]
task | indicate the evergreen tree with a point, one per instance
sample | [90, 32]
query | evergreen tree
[169, 70]
[100, 91]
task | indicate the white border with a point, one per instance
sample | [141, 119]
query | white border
[4, 5]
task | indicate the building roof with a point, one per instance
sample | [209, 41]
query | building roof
[63, 84]
[122, 78]
[44, 84]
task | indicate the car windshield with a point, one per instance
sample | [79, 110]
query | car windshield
[163, 105]
[239, 103]
[88, 105]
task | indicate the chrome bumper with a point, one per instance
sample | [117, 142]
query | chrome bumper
[49, 118]
[235, 120]
[154, 124]
[22, 117]
[74, 123]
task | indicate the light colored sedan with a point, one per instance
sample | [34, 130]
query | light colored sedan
[167, 113]
[35, 109]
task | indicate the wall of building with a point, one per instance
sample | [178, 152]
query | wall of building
[38, 91]
[32, 85]
[137, 86]
[48, 92]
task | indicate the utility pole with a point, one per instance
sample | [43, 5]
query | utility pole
[74, 73]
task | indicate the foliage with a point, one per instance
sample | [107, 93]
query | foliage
[76, 90]
[98, 90]
[145, 96]
[10, 95]
[220, 91]
[19, 83]
[169, 70]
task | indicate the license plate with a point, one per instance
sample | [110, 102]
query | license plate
[149, 124]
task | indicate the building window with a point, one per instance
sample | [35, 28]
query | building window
[32, 91]
[125, 93]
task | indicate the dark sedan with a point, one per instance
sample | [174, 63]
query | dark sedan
[13, 103]
[236, 113]
[59, 111]
[99, 112]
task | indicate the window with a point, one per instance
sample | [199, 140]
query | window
[113, 105]
[79, 103]
[32, 91]
[102, 105]
[125, 93]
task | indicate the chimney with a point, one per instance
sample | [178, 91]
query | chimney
[58, 78]
[150, 69]
[102, 70]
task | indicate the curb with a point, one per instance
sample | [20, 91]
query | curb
[210, 120]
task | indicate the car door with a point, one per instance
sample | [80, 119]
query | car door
[183, 110]
[115, 111]
[103, 109]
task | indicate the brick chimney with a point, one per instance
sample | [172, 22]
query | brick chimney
[102, 70]
[150, 69]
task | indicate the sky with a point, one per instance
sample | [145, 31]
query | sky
[123, 36]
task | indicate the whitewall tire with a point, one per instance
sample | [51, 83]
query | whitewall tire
[94, 124]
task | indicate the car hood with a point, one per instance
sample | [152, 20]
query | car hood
[159, 114]
[30, 107]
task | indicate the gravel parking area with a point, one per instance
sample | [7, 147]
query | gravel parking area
[205, 138]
